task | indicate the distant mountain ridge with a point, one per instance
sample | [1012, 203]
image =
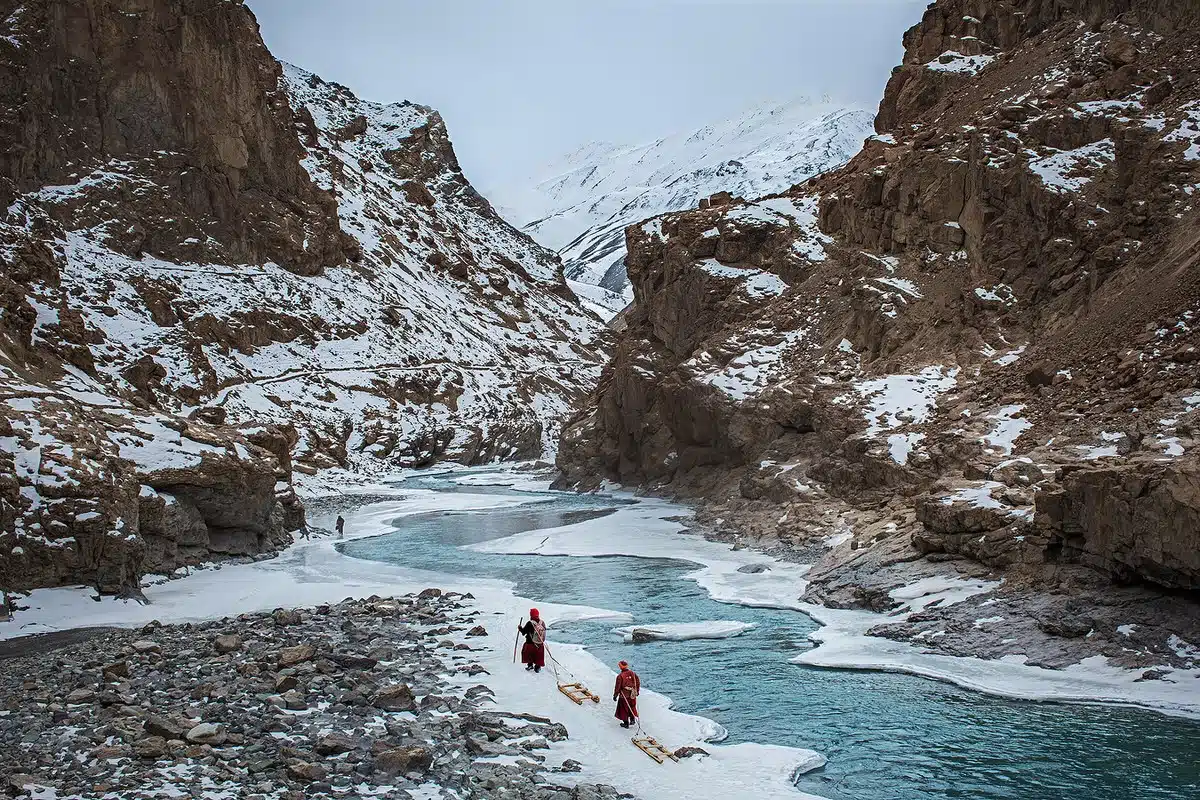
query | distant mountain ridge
[581, 204]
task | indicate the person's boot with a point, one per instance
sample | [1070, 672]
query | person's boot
[537, 669]
[528, 667]
[625, 724]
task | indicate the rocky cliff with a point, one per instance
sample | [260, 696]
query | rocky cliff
[972, 348]
[218, 269]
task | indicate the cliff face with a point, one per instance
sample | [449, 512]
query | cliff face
[178, 93]
[974, 341]
[216, 269]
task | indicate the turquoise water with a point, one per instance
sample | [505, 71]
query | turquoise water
[887, 736]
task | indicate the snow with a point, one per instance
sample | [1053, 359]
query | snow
[756, 284]
[1188, 131]
[953, 61]
[1000, 293]
[896, 400]
[900, 445]
[747, 374]
[1069, 171]
[978, 496]
[684, 631]
[904, 285]
[1008, 428]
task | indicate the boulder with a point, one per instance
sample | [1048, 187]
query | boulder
[404, 760]
[298, 654]
[397, 697]
[207, 733]
[227, 643]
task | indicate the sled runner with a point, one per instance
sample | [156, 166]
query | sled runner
[653, 748]
[577, 692]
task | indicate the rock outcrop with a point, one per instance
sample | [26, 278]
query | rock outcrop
[976, 340]
[218, 269]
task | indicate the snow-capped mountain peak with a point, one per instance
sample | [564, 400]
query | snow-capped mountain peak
[581, 203]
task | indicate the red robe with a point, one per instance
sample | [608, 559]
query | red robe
[626, 691]
[534, 649]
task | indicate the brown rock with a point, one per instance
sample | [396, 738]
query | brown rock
[403, 760]
[335, 743]
[151, 748]
[304, 771]
[397, 697]
[227, 643]
[290, 656]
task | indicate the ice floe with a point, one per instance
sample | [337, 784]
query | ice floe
[684, 631]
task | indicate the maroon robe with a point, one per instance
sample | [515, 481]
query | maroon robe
[534, 649]
[625, 692]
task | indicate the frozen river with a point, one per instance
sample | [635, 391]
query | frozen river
[887, 736]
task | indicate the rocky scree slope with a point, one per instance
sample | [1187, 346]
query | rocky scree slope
[217, 270]
[593, 194]
[970, 351]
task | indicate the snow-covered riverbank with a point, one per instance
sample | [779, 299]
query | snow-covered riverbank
[314, 572]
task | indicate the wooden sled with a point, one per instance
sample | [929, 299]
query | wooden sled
[653, 748]
[577, 692]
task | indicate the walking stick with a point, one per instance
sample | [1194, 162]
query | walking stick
[518, 639]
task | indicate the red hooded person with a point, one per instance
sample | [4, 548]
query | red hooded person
[533, 652]
[625, 693]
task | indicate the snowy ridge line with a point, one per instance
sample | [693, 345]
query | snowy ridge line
[582, 205]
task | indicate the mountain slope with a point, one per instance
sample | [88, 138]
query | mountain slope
[596, 192]
[972, 349]
[216, 269]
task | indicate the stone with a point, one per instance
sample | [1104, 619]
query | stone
[206, 733]
[80, 696]
[335, 744]
[753, 569]
[429, 594]
[478, 630]
[151, 748]
[227, 643]
[294, 701]
[285, 616]
[291, 656]
[689, 752]
[116, 670]
[351, 661]
[397, 697]
[284, 683]
[144, 646]
[166, 727]
[404, 760]
[304, 771]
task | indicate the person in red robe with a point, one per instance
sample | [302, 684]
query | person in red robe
[625, 694]
[533, 652]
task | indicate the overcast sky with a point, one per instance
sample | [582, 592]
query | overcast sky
[521, 82]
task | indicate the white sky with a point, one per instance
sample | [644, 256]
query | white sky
[523, 82]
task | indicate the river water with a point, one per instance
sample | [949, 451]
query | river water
[887, 736]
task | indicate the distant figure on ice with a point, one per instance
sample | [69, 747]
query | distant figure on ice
[533, 652]
[625, 694]
[341, 525]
